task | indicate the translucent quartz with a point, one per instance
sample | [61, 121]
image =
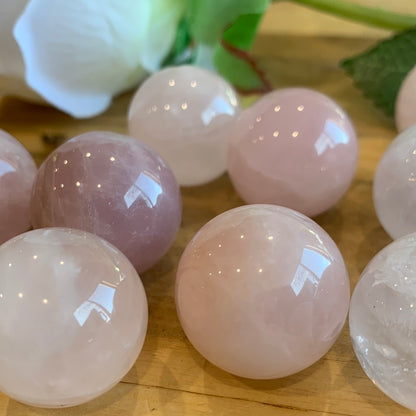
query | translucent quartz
[113, 186]
[73, 317]
[294, 147]
[17, 174]
[262, 291]
[383, 320]
[405, 109]
[186, 113]
[394, 188]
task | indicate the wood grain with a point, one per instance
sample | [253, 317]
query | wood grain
[170, 377]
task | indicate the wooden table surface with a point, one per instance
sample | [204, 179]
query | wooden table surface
[170, 377]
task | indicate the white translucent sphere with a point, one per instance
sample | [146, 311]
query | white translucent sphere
[394, 189]
[73, 317]
[383, 320]
[186, 114]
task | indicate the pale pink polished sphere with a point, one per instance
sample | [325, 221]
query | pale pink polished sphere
[17, 174]
[73, 317]
[294, 147]
[113, 186]
[394, 188]
[262, 291]
[405, 108]
[186, 114]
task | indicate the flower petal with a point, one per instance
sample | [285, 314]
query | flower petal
[79, 53]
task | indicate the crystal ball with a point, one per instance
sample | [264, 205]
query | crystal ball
[294, 147]
[405, 107]
[113, 186]
[186, 114]
[383, 320]
[262, 291]
[73, 317]
[394, 187]
[17, 174]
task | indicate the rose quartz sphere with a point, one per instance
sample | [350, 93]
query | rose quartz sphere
[294, 147]
[73, 317]
[17, 174]
[113, 186]
[405, 109]
[186, 114]
[262, 291]
[394, 187]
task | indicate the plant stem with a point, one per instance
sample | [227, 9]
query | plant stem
[372, 16]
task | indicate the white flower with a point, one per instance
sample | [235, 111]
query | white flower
[78, 54]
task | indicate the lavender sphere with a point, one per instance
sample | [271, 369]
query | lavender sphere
[73, 317]
[294, 147]
[395, 185]
[186, 114]
[262, 291]
[383, 320]
[113, 186]
[17, 174]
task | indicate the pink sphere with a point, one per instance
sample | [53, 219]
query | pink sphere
[113, 186]
[405, 107]
[73, 317]
[186, 114]
[294, 147]
[262, 291]
[17, 174]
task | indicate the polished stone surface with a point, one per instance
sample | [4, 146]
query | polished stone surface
[262, 291]
[405, 108]
[73, 317]
[383, 320]
[113, 186]
[186, 113]
[394, 187]
[294, 147]
[17, 174]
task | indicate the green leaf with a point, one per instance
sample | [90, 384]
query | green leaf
[180, 52]
[209, 18]
[231, 58]
[237, 70]
[380, 71]
[242, 32]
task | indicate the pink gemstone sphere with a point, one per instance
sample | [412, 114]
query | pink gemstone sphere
[73, 317]
[383, 321]
[405, 109]
[17, 174]
[262, 291]
[294, 147]
[113, 186]
[394, 188]
[186, 113]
